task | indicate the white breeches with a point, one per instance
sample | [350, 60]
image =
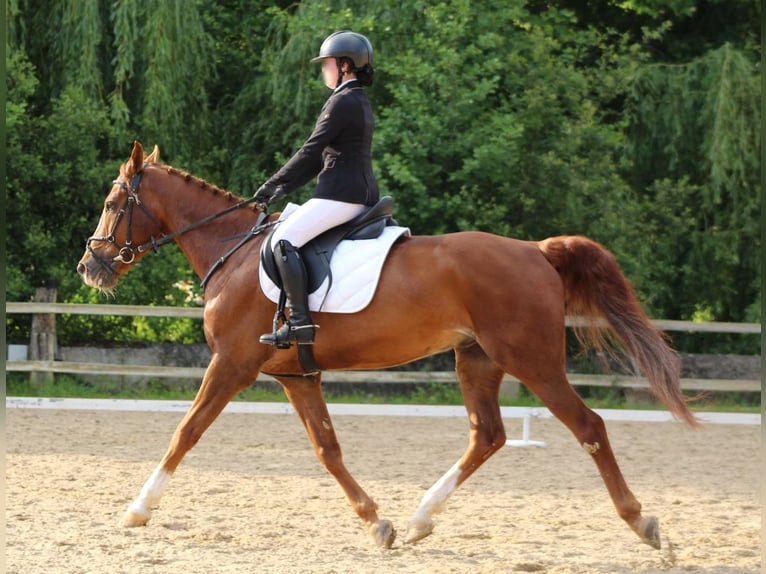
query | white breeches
[313, 218]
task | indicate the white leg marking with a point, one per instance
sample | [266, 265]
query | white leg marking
[151, 492]
[434, 499]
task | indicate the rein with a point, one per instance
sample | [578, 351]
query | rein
[256, 229]
[127, 253]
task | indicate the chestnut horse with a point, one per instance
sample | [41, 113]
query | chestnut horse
[499, 303]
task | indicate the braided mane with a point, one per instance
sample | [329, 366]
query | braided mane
[214, 189]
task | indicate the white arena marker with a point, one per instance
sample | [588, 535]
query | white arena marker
[525, 432]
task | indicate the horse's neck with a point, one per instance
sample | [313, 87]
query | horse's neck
[182, 202]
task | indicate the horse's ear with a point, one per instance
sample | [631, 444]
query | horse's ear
[136, 162]
[154, 157]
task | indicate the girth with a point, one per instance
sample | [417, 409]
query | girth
[318, 252]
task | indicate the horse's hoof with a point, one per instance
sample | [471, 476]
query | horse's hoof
[383, 533]
[648, 529]
[418, 531]
[134, 518]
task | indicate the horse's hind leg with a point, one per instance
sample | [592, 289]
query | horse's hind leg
[588, 427]
[480, 381]
[305, 395]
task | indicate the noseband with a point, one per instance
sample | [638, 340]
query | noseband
[127, 253]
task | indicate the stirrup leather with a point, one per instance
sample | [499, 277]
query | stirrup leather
[298, 328]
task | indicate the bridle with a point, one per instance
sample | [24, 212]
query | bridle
[127, 253]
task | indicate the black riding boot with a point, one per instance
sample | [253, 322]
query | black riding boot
[298, 328]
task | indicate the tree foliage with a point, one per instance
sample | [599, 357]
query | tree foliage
[635, 123]
[695, 136]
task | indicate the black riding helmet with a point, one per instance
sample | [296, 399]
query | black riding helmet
[346, 44]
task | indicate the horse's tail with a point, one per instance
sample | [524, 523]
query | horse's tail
[596, 290]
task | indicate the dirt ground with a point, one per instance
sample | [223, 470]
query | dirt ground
[251, 497]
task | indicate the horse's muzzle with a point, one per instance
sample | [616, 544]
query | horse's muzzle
[95, 273]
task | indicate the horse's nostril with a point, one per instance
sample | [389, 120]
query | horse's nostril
[81, 268]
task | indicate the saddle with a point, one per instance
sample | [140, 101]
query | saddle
[318, 252]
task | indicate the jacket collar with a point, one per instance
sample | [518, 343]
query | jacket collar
[345, 85]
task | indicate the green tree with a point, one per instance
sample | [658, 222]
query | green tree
[631, 122]
[56, 173]
[502, 127]
[98, 76]
[23, 166]
[695, 137]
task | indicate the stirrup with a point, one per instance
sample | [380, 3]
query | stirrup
[287, 334]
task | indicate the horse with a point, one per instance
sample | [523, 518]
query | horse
[498, 303]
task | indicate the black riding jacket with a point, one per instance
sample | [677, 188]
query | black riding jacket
[338, 152]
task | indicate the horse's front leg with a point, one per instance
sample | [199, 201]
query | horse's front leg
[219, 385]
[305, 395]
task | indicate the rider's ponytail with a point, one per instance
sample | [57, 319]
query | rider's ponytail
[364, 75]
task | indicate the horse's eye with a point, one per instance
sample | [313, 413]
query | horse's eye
[111, 206]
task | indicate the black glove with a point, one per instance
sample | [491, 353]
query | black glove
[268, 192]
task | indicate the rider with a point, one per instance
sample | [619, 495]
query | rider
[338, 153]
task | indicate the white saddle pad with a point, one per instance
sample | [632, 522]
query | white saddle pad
[355, 269]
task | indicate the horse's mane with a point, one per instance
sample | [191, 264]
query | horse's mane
[214, 189]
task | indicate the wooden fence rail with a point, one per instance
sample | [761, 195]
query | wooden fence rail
[620, 381]
[378, 377]
[196, 313]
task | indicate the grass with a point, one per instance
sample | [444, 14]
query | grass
[66, 386]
